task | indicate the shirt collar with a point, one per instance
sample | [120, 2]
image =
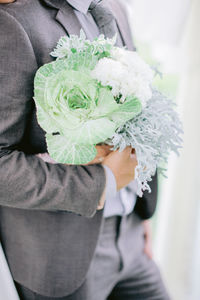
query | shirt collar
[80, 5]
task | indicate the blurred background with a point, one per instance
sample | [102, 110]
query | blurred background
[166, 34]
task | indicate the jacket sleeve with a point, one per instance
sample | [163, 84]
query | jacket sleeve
[26, 181]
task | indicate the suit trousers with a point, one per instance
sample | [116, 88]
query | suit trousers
[120, 270]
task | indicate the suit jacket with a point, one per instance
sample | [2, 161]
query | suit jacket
[49, 226]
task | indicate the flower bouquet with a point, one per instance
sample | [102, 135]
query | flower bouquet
[96, 93]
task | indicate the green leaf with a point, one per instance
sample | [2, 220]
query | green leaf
[105, 104]
[65, 152]
[92, 132]
[127, 111]
[43, 114]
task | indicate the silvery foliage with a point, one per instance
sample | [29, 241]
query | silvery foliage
[154, 133]
[72, 44]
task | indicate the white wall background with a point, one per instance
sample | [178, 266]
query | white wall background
[172, 28]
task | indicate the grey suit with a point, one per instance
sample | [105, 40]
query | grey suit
[120, 270]
[48, 221]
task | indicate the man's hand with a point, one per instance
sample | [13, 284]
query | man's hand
[7, 1]
[148, 239]
[122, 164]
[102, 152]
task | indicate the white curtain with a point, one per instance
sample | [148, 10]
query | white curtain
[158, 20]
[178, 231]
[169, 23]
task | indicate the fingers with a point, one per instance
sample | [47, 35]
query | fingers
[7, 1]
[124, 157]
[126, 152]
[103, 150]
[148, 248]
[129, 154]
[102, 201]
[121, 154]
[45, 157]
[97, 160]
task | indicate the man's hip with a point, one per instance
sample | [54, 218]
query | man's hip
[48, 252]
[119, 267]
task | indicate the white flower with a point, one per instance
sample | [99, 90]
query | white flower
[110, 73]
[133, 61]
[126, 73]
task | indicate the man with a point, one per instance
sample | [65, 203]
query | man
[57, 243]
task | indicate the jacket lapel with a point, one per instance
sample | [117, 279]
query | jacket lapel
[123, 25]
[65, 16]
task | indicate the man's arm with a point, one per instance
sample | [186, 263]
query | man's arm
[26, 181]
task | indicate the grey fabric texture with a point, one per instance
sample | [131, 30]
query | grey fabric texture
[46, 210]
[120, 270]
[48, 222]
[26, 181]
[105, 20]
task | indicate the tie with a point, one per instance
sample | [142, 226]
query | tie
[105, 20]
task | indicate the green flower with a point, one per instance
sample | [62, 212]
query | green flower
[77, 112]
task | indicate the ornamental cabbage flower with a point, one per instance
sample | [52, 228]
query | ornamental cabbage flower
[77, 112]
